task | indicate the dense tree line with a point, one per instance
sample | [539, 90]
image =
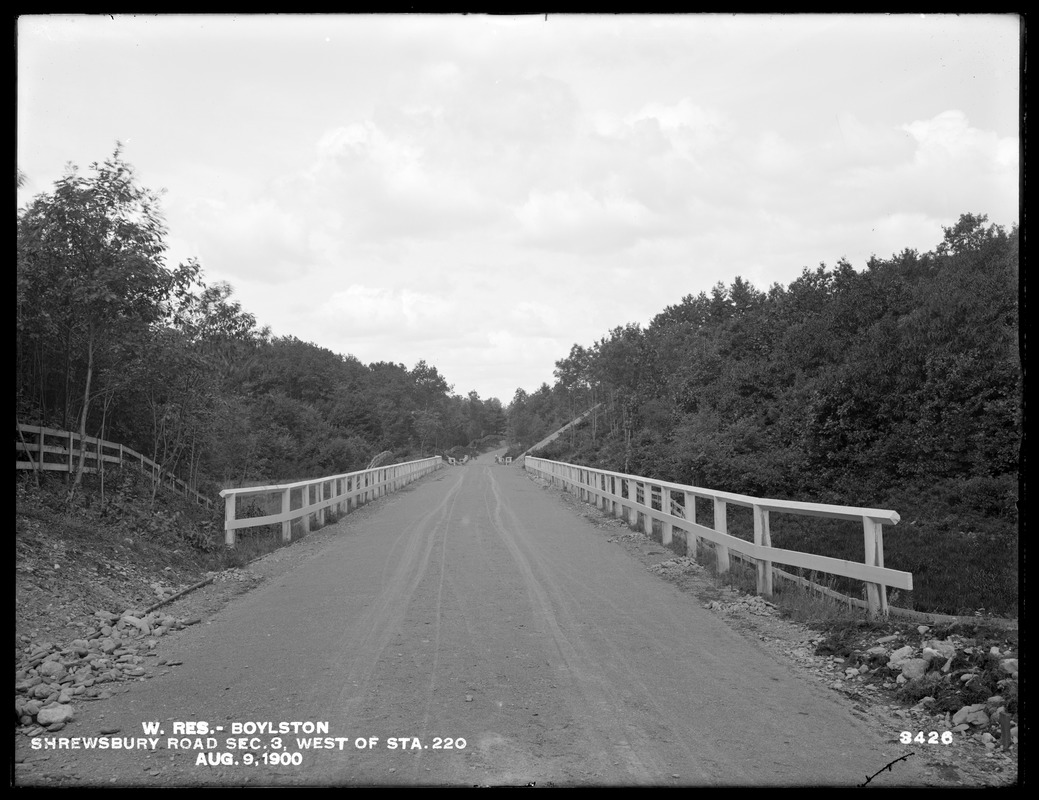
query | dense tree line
[895, 386]
[114, 343]
[846, 384]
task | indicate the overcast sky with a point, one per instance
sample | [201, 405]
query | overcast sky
[485, 192]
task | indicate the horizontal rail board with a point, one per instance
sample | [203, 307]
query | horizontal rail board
[643, 501]
[794, 558]
[346, 490]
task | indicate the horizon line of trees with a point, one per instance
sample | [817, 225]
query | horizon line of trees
[846, 386]
[114, 343]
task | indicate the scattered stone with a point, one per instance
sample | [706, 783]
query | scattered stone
[965, 713]
[900, 655]
[913, 668]
[54, 714]
[52, 669]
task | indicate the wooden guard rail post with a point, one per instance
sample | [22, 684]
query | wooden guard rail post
[618, 494]
[343, 492]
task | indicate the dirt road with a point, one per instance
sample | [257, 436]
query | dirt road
[470, 630]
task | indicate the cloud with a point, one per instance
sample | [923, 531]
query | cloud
[948, 140]
[261, 239]
[580, 219]
[369, 311]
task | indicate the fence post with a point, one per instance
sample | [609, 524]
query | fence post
[667, 529]
[305, 506]
[871, 534]
[721, 526]
[42, 436]
[229, 512]
[286, 507]
[691, 539]
[647, 518]
[321, 499]
[763, 537]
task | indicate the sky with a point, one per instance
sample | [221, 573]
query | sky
[484, 192]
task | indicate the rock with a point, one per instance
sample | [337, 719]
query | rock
[55, 713]
[140, 624]
[979, 718]
[27, 684]
[913, 668]
[886, 639]
[52, 669]
[1009, 665]
[922, 629]
[900, 655]
[964, 713]
[943, 646]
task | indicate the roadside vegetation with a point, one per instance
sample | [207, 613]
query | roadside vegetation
[896, 386]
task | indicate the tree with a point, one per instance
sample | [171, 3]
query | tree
[92, 256]
[969, 233]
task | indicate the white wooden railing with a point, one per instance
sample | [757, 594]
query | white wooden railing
[673, 505]
[304, 499]
[53, 450]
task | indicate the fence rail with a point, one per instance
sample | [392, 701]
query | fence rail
[53, 450]
[305, 499]
[643, 500]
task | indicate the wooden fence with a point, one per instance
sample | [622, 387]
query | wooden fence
[52, 450]
[643, 500]
[305, 499]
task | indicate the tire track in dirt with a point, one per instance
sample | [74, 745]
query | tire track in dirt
[362, 643]
[595, 687]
